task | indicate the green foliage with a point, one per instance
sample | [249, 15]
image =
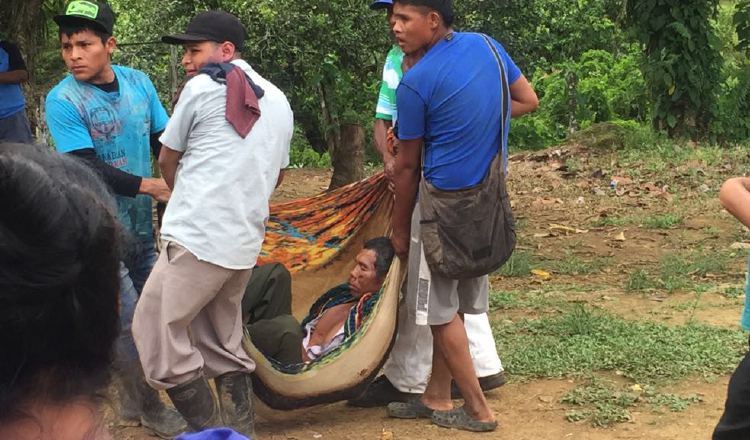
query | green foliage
[581, 58]
[603, 403]
[676, 270]
[518, 265]
[598, 87]
[573, 265]
[741, 20]
[600, 402]
[301, 154]
[541, 33]
[733, 101]
[535, 300]
[639, 280]
[674, 402]
[582, 341]
[682, 61]
[733, 292]
[325, 56]
[662, 221]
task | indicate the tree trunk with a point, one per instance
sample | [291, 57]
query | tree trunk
[348, 159]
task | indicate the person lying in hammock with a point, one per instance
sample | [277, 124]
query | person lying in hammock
[266, 307]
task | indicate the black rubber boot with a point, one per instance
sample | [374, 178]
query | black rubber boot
[195, 401]
[236, 403]
[164, 421]
[139, 404]
[127, 409]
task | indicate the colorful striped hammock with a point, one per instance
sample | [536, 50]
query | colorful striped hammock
[317, 238]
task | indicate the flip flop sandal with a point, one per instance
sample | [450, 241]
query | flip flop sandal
[457, 418]
[413, 409]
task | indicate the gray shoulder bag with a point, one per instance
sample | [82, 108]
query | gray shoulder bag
[470, 232]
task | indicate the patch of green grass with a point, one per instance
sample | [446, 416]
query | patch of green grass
[711, 155]
[604, 403]
[514, 300]
[580, 340]
[656, 221]
[600, 403]
[518, 265]
[505, 300]
[676, 271]
[612, 221]
[712, 231]
[662, 221]
[656, 165]
[683, 306]
[733, 292]
[673, 402]
[639, 280]
[573, 265]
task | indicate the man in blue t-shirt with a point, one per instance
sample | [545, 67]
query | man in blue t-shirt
[450, 113]
[14, 126]
[110, 117]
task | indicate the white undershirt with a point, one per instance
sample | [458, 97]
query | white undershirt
[316, 351]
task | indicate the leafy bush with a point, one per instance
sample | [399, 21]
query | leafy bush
[731, 123]
[301, 154]
[598, 87]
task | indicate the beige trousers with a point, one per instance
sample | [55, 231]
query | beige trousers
[188, 320]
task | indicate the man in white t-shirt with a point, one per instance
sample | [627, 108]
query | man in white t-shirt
[224, 149]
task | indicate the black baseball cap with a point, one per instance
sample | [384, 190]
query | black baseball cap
[98, 15]
[218, 26]
[381, 4]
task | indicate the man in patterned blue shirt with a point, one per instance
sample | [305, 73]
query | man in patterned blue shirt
[110, 117]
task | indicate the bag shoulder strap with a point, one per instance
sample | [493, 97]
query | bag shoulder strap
[504, 92]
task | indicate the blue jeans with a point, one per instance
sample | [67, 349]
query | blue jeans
[132, 278]
[15, 128]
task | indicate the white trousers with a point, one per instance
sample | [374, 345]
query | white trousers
[410, 362]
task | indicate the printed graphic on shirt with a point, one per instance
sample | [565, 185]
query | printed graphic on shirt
[117, 125]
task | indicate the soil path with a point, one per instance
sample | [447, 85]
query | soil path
[547, 194]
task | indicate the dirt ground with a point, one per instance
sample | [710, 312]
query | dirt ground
[567, 206]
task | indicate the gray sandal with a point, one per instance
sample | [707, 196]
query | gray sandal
[413, 409]
[457, 418]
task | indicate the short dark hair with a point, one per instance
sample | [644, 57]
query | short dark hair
[69, 31]
[59, 279]
[383, 254]
[443, 7]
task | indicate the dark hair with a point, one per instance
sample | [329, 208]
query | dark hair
[443, 7]
[384, 254]
[69, 31]
[59, 279]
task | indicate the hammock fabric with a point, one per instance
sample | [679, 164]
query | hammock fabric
[341, 295]
[317, 239]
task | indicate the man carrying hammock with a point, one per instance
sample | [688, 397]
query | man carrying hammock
[451, 127]
[408, 367]
[224, 150]
[332, 318]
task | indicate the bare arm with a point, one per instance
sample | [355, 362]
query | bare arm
[168, 161]
[14, 77]
[406, 182]
[735, 197]
[523, 97]
[379, 132]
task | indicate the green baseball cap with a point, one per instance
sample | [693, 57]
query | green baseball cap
[82, 12]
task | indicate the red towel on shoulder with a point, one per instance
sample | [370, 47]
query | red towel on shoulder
[242, 104]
